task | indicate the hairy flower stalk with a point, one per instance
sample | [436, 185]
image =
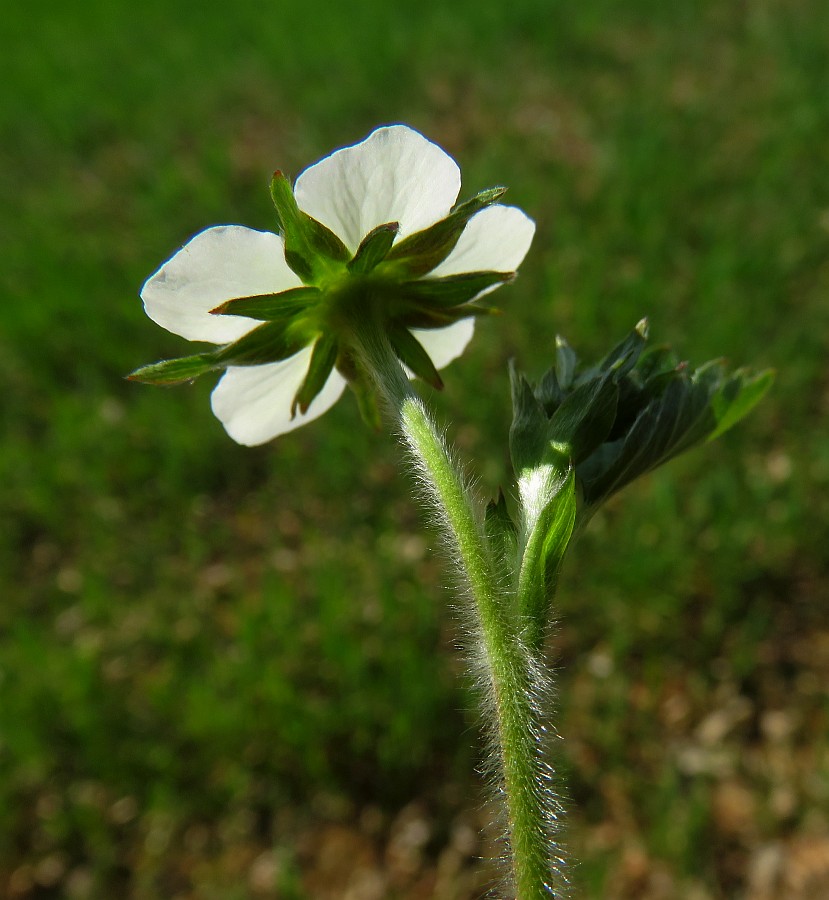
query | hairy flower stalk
[510, 677]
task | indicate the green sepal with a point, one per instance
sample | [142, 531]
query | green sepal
[543, 555]
[174, 371]
[267, 343]
[310, 247]
[452, 290]
[270, 342]
[271, 307]
[373, 248]
[323, 357]
[425, 317]
[412, 354]
[366, 402]
[422, 251]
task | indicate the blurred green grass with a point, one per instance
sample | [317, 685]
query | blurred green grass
[196, 638]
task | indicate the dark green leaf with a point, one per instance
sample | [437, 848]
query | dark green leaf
[737, 397]
[671, 423]
[585, 417]
[634, 411]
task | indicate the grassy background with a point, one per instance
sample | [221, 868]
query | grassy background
[230, 673]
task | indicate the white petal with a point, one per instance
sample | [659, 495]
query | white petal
[221, 263]
[495, 240]
[254, 402]
[445, 344]
[394, 175]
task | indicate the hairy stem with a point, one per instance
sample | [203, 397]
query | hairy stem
[510, 670]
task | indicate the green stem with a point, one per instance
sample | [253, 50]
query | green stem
[510, 670]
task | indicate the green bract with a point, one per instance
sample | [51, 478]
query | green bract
[367, 236]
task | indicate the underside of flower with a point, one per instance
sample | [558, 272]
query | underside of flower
[368, 235]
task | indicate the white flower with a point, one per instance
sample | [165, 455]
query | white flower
[394, 176]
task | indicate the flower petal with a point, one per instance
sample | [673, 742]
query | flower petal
[254, 402]
[221, 263]
[394, 175]
[495, 240]
[445, 344]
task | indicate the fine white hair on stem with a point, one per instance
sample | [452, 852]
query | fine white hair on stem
[536, 680]
[435, 512]
[510, 679]
[539, 738]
